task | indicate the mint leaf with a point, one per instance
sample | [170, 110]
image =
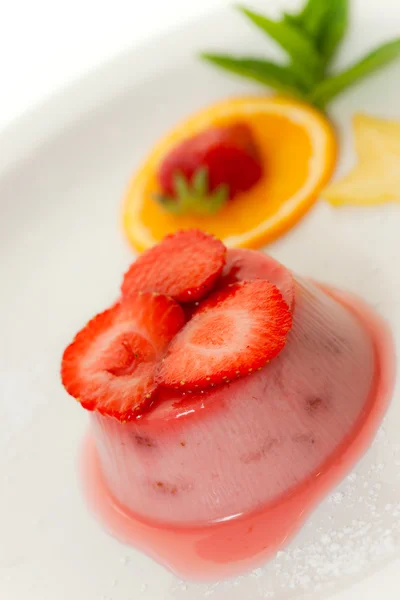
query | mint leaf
[310, 39]
[333, 28]
[292, 20]
[314, 16]
[325, 22]
[282, 79]
[305, 60]
[325, 91]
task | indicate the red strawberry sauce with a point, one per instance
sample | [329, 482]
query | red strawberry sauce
[239, 541]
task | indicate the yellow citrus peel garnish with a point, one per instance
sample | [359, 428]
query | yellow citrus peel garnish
[376, 177]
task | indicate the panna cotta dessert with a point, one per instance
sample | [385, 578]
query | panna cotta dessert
[223, 388]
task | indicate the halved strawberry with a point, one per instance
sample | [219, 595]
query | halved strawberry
[235, 331]
[110, 365]
[185, 265]
[204, 171]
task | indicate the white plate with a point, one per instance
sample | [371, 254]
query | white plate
[63, 170]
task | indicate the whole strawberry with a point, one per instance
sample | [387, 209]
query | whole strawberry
[201, 173]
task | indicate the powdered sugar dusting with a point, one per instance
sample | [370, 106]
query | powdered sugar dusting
[354, 531]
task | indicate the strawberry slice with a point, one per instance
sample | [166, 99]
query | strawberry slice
[246, 265]
[204, 171]
[110, 365]
[235, 331]
[185, 265]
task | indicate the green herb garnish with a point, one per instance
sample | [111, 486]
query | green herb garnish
[194, 196]
[310, 40]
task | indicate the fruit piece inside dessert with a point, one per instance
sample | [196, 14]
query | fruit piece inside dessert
[218, 383]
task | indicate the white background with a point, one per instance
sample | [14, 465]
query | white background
[45, 44]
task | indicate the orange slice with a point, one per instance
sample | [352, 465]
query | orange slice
[298, 148]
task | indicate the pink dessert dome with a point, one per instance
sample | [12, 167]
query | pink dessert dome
[202, 458]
